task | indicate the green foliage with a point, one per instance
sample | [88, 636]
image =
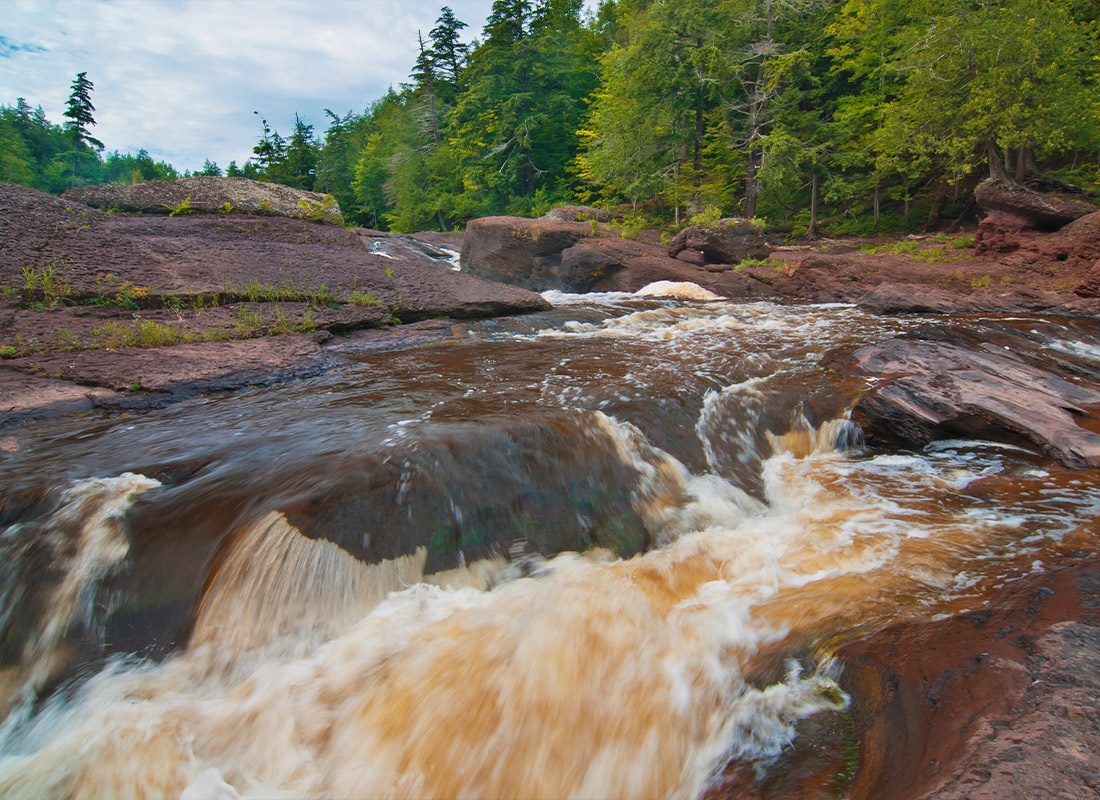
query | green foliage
[183, 208]
[321, 211]
[364, 298]
[143, 333]
[47, 285]
[877, 115]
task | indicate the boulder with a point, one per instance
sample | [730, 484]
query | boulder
[925, 391]
[596, 264]
[207, 194]
[578, 214]
[729, 241]
[520, 251]
[1045, 212]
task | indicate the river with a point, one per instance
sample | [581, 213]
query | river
[595, 552]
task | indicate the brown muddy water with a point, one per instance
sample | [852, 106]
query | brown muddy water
[597, 552]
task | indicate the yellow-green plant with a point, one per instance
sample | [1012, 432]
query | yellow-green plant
[183, 208]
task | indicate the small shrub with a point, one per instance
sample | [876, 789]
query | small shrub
[317, 212]
[8, 351]
[183, 208]
[708, 217]
[749, 263]
[364, 298]
[225, 208]
[632, 226]
[248, 322]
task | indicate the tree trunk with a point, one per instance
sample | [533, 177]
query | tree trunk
[811, 232]
[752, 188]
[996, 166]
[877, 208]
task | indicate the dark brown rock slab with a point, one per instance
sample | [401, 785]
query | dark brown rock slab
[925, 391]
[729, 241]
[208, 194]
[995, 703]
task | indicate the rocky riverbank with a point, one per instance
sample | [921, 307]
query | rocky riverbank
[102, 310]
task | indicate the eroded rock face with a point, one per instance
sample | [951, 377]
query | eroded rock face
[206, 194]
[541, 254]
[730, 241]
[522, 252]
[937, 390]
[1046, 212]
[1016, 217]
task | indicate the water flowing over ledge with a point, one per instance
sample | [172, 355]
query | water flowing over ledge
[597, 552]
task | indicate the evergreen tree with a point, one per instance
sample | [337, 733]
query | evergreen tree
[448, 52]
[79, 110]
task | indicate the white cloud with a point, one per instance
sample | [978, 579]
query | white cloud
[181, 79]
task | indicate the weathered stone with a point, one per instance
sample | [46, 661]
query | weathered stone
[1090, 286]
[729, 241]
[695, 257]
[578, 214]
[595, 264]
[522, 252]
[1046, 212]
[935, 390]
[907, 298]
[207, 194]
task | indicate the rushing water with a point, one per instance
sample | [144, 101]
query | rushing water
[562, 555]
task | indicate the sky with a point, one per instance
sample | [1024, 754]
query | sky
[182, 78]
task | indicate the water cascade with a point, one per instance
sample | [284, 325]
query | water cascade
[597, 552]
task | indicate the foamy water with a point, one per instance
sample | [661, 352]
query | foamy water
[308, 672]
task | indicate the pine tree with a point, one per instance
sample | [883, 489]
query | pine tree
[448, 52]
[79, 112]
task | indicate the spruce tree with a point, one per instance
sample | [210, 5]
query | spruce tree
[79, 110]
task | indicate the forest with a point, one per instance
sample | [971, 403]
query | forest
[836, 116]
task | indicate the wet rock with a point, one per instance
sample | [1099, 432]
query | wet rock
[140, 306]
[979, 706]
[925, 391]
[729, 241]
[695, 257]
[907, 298]
[207, 194]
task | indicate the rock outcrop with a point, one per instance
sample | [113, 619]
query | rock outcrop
[578, 214]
[729, 241]
[1017, 216]
[120, 311]
[520, 251]
[928, 390]
[541, 254]
[209, 195]
[1045, 212]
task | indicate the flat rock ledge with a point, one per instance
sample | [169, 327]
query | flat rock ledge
[927, 390]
